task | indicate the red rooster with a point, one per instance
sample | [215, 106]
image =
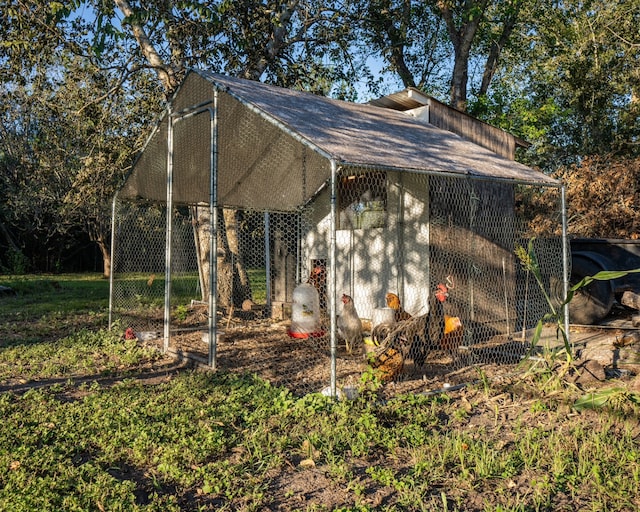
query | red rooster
[433, 329]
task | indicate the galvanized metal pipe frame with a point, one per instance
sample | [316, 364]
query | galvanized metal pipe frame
[335, 167]
[173, 118]
[113, 245]
[333, 278]
[213, 233]
[565, 262]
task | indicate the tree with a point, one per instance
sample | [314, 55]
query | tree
[573, 94]
[431, 45]
[249, 39]
[110, 132]
[29, 189]
[463, 19]
[65, 155]
[71, 128]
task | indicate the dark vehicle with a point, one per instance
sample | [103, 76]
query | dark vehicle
[592, 255]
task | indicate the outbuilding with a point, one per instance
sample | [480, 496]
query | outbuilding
[290, 188]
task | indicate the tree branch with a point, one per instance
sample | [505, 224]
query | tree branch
[164, 71]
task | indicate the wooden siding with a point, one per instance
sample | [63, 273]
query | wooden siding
[483, 134]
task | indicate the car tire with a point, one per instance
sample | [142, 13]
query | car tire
[593, 302]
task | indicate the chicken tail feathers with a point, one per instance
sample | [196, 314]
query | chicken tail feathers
[418, 351]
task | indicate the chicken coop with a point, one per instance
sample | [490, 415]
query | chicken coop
[253, 210]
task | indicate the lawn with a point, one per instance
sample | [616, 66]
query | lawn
[91, 421]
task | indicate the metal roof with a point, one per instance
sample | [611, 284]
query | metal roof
[351, 134]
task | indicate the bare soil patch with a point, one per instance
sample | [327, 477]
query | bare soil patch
[264, 348]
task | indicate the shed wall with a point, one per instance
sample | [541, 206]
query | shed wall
[374, 261]
[480, 133]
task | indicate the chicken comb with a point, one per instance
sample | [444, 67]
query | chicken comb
[442, 292]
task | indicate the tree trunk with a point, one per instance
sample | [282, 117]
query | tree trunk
[496, 49]
[284, 261]
[397, 38]
[106, 258]
[242, 287]
[461, 38]
[200, 215]
[165, 73]
[202, 240]
[233, 281]
[459, 79]
[9, 238]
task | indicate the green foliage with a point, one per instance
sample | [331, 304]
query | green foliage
[71, 151]
[16, 263]
[579, 55]
[258, 279]
[80, 353]
[371, 380]
[80, 431]
[613, 397]
[181, 312]
[529, 262]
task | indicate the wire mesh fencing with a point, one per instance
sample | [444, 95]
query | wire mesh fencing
[431, 265]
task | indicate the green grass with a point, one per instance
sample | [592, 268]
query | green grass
[149, 291]
[47, 307]
[257, 277]
[81, 432]
[60, 293]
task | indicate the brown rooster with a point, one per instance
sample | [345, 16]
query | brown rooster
[414, 337]
[349, 324]
[393, 302]
[388, 363]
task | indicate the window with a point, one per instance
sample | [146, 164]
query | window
[362, 201]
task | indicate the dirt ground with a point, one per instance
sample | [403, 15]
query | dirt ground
[263, 347]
